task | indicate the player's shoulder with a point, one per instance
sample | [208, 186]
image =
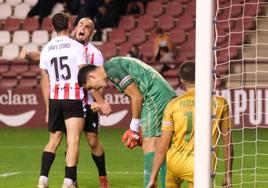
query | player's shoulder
[122, 61]
[175, 101]
[99, 60]
[45, 48]
[93, 48]
[188, 95]
[220, 100]
[49, 43]
[172, 105]
[114, 67]
[113, 62]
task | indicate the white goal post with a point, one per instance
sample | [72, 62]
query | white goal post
[203, 92]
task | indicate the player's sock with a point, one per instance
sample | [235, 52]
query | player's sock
[148, 163]
[71, 173]
[162, 172]
[47, 160]
[100, 163]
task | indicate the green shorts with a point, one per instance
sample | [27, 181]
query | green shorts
[151, 118]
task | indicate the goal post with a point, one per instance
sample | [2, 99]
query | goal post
[203, 93]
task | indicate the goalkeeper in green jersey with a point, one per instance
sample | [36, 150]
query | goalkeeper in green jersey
[149, 93]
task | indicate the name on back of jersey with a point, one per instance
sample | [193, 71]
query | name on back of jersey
[59, 46]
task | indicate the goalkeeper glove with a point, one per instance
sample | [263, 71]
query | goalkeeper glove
[132, 139]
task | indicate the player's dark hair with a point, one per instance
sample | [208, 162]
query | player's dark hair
[83, 72]
[60, 22]
[187, 71]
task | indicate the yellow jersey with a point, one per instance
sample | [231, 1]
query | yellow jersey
[179, 118]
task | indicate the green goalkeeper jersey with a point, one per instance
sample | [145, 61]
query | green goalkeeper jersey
[156, 91]
[124, 70]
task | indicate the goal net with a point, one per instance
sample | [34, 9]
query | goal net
[241, 76]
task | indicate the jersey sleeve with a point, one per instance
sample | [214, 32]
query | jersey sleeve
[168, 121]
[99, 60]
[81, 54]
[43, 60]
[226, 120]
[118, 75]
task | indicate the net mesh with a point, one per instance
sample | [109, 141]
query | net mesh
[241, 75]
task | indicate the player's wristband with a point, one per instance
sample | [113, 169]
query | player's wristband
[135, 124]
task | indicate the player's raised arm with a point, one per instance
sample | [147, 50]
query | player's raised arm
[30, 56]
[228, 151]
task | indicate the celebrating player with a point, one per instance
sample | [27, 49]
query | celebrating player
[83, 32]
[85, 29]
[178, 129]
[149, 94]
[60, 60]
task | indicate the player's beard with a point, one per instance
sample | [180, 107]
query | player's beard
[81, 41]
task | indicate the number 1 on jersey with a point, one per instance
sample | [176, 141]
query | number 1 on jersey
[189, 116]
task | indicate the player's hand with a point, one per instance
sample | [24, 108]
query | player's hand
[151, 184]
[95, 107]
[227, 181]
[131, 139]
[105, 108]
[22, 54]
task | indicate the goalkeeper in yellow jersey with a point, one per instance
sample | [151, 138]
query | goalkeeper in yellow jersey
[178, 129]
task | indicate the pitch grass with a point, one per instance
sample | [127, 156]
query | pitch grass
[20, 154]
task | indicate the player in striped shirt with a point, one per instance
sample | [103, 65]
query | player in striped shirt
[83, 33]
[177, 139]
[60, 60]
[85, 29]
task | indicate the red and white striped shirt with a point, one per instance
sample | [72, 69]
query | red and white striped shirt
[95, 57]
[61, 58]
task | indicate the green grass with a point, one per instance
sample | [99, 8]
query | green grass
[251, 159]
[20, 153]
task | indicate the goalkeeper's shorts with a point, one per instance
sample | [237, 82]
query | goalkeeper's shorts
[151, 118]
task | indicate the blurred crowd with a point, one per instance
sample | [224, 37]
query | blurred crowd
[105, 13]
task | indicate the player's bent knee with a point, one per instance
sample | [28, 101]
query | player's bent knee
[92, 139]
